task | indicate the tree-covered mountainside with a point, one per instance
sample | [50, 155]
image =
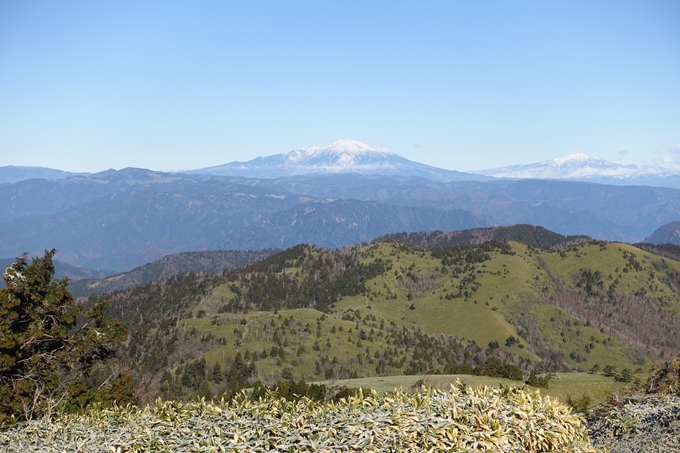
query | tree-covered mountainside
[534, 236]
[498, 308]
[615, 213]
[671, 251]
[342, 222]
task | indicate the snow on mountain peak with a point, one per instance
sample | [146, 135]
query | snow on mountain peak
[340, 157]
[353, 147]
[298, 155]
[574, 166]
[339, 154]
[575, 157]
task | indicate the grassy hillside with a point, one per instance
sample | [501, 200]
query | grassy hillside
[389, 308]
[563, 386]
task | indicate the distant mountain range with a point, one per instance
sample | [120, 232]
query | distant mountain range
[116, 221]
[580, 167]
[348, 156]
[336, 195]
[127, 229]
[343, 156]
[11, 174]
[353, 157]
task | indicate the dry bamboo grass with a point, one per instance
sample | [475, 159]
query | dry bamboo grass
[462, 419]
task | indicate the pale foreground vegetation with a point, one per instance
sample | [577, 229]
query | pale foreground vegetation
[650, 424]
[461, 419]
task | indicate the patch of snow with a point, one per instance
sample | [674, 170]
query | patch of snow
[297, 155]
[576, 157]
[343, 153]
[354, 147]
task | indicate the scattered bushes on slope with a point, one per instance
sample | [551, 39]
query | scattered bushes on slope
[295, 391]
[462, 419]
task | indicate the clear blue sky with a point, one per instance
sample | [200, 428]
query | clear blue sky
[464, 85]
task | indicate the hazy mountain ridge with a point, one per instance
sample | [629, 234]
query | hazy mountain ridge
[36, 197]
[668, 233]
[608, 212]
[215, 261]
[10, 174]
[342, 222]
[125, 230]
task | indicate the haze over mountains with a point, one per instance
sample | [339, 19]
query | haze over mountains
[331, 196]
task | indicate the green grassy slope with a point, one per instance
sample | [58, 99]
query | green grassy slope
[393, 309]
[563, 386]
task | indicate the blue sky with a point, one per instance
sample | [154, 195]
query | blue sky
[87, 86]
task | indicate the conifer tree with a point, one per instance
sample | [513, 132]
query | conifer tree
[46, 347]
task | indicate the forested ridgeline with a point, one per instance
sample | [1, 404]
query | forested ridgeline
[498, 308]
[261, 338]
[671, 251]
[531, 235]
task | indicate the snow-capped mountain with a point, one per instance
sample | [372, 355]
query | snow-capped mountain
[343, 156]
[581, 167]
